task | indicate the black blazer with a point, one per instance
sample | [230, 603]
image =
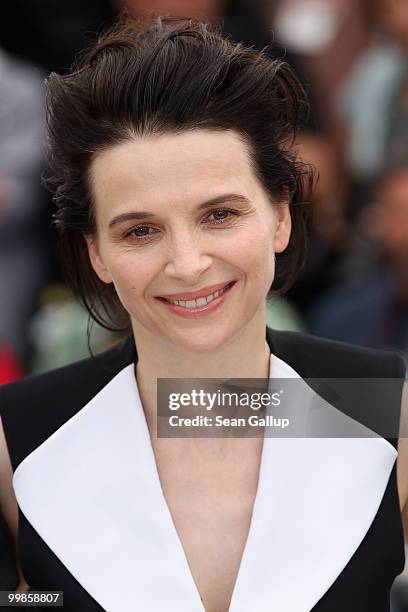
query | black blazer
[33, 409]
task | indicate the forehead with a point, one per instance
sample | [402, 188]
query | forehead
[188, 166]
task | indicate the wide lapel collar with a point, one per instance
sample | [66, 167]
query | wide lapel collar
[93, 494]
[316, 500]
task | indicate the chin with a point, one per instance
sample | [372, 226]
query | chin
[203, 340]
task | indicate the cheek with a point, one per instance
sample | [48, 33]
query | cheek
[131, 273]
[254, 254]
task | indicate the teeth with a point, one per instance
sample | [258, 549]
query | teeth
[199, 301]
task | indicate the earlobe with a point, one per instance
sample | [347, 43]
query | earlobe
[96, 260]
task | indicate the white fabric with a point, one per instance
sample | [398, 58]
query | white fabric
[93, 493]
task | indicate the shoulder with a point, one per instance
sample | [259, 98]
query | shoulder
[35, 407]
[312, 356]
[317, 357]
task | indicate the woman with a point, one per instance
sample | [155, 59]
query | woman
[171, 161]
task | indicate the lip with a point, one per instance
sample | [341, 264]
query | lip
[192, 295]
[207, 309]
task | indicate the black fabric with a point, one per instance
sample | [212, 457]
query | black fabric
[317, 358]
[365, 582]
[34, 408]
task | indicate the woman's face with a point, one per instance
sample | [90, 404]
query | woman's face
[179, 213]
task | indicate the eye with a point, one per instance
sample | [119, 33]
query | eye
[135, 232]
[140, 233]
[222, 211]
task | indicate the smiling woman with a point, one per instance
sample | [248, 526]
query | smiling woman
[181, 204]
[208, 225]
[144, 100]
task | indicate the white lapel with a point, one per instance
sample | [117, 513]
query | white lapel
[93, 494]
[316, 500]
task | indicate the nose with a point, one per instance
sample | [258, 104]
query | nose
[187, 260]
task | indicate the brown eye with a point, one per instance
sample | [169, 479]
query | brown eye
[228, 214]
[134, 232]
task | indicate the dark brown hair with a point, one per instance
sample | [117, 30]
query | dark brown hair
[156, 76]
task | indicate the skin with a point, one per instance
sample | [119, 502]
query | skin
[187, 249]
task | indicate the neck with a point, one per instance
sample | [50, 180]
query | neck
[247, 355]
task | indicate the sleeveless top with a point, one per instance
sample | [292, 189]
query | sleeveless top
[326, 531]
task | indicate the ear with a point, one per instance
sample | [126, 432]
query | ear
[283, 222]
[96, 260]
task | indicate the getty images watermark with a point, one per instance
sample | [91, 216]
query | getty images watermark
[279, 407]
[218, 407]
[207, 401]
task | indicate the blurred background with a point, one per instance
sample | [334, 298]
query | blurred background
[352, 57]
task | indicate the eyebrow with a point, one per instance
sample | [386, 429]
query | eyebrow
[142, 214]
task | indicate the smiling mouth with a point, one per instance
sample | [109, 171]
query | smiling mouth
[202, 301]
